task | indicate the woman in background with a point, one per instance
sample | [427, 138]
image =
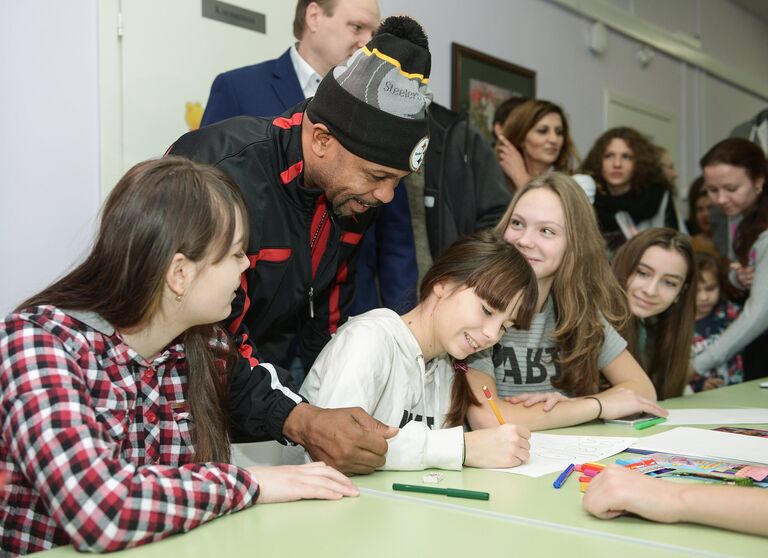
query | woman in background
[633, 193]
[535, 138]
[734, 177]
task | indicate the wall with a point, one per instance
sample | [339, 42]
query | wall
[547, 37]
[49, 158]
[168, 55]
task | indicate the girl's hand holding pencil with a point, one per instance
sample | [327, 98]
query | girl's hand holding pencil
[506, 445]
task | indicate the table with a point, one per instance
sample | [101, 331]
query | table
[524, 516]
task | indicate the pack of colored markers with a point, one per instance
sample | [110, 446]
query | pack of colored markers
[667, 465]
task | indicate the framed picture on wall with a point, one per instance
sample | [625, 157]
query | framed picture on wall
[482, 82]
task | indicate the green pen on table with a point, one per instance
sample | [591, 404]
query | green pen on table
[453, 492]
[651, 422]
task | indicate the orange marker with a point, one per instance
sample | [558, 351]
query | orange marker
[496, 412]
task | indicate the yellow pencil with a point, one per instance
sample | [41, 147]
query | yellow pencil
[496, 412]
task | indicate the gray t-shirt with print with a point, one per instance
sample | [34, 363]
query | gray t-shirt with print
[524, 360]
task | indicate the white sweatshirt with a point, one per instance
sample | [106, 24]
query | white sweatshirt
[375, 362]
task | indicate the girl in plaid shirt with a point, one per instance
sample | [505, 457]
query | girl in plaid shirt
[113, 380]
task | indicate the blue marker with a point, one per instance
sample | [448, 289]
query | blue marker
[560, 480]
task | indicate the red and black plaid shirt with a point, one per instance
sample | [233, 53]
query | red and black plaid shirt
[97, 440]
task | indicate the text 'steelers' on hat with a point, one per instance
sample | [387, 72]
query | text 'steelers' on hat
[375, 103]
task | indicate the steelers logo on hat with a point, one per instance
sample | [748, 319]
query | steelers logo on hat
[418, 153]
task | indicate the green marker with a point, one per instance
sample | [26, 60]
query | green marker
[647, 423]
[453, 492]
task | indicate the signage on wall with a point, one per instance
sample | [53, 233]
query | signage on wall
[235, 15]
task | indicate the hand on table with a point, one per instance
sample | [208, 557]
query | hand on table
[289, 483]
[549, 398]
[618, 490]
[620, 402]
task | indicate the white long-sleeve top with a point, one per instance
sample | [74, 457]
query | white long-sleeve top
[375, 362]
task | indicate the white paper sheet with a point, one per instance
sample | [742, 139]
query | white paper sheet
[678, 417]
[552, 452]
[699, 442]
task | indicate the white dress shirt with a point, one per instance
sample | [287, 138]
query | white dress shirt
[309, 79]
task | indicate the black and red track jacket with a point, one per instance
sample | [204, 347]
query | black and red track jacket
[300, 281]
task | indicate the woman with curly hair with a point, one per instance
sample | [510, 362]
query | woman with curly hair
[632, 192]
[535, 138]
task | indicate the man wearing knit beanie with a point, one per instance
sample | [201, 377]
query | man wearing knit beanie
[311, 178]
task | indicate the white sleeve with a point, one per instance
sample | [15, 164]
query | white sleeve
[352, 370]
[587, 184]
[416, 447]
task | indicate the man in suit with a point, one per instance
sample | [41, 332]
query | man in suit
[328, 32]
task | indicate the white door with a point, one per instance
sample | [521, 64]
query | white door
[659, 125]
[155, 57]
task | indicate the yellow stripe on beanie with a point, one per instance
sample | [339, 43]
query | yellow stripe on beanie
[376, 52]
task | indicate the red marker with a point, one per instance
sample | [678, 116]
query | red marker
[638, 464]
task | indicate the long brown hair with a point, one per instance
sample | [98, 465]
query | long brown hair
[160, 208]
[524, 117]
[647, 169]
[671, 331]
[739, 152]
[584, 290]
[497, 272]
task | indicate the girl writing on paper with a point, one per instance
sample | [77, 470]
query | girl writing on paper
[658, 271]
[113, 380]
[407, 370]
[571, 347]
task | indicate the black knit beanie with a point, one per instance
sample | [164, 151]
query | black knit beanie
[375, 103]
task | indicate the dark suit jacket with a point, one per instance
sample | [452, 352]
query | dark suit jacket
[265, 89]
